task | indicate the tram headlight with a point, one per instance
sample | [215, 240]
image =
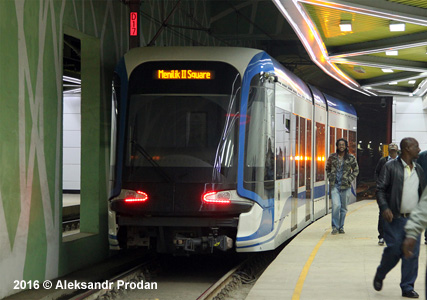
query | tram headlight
[136, 197]
[217, 197]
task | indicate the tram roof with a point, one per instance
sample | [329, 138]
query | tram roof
[319, 98]
[334, 103]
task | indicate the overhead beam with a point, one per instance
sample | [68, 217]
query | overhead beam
[394, 88]
[396, 43]
[400, 76]
[383, 62]
[421, 88]
[377, 8]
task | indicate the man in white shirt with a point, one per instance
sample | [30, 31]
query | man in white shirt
[399, 187]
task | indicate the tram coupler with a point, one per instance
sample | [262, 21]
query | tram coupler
[221, 242]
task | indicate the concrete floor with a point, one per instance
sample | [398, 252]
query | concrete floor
[318, 265]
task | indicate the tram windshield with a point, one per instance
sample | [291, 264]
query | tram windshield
[182, 137]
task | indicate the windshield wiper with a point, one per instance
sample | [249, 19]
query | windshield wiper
[151, 161]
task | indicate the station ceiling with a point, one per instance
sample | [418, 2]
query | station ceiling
[305, 36]
[370, 56]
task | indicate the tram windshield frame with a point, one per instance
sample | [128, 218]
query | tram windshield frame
[182, 131]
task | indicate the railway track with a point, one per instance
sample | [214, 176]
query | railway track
[237, 283]
[201, 278]
[115, 288]
[70, 225]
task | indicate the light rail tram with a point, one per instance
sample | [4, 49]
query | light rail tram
[218, 148]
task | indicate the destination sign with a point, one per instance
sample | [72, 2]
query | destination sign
[184, 74]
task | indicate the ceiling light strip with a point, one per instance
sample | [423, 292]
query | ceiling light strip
[360, 9]
[385, 79]
[393, 92]
[71, 79]
[379, 64]
[378, 50]
[73, 91]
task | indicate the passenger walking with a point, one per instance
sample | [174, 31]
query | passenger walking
[341, 169]
[417, 222]
[392, 151]
[422, 161]
[399, 187]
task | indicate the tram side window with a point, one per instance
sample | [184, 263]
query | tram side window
[283, 140]
[345, 134]
[288, 149]
[320, 152]
[308, 156]
[302, 152]
[332, 140]
[339, 133]
[352, 142]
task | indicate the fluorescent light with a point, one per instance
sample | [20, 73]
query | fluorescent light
[73, 91]
[391, 52]
[392, 83]
[345, 25]
[71, 79]
[387, 70]
[397, 26]
[412, 81]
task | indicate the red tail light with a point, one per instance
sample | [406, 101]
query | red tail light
[139, 197]
[217, 198]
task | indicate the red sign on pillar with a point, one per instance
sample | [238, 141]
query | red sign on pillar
[133, 30]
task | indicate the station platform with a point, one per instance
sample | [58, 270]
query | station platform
[70, 200]
[318, 265]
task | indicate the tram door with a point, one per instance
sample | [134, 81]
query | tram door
[301, 195]
[332, 140]
[307, 161]
[319, 159]
[295, 151]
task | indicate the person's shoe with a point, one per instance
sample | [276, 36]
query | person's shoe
[378, 284]
[341, 231]
[334, 231]
[381, 242]
[410, 294]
